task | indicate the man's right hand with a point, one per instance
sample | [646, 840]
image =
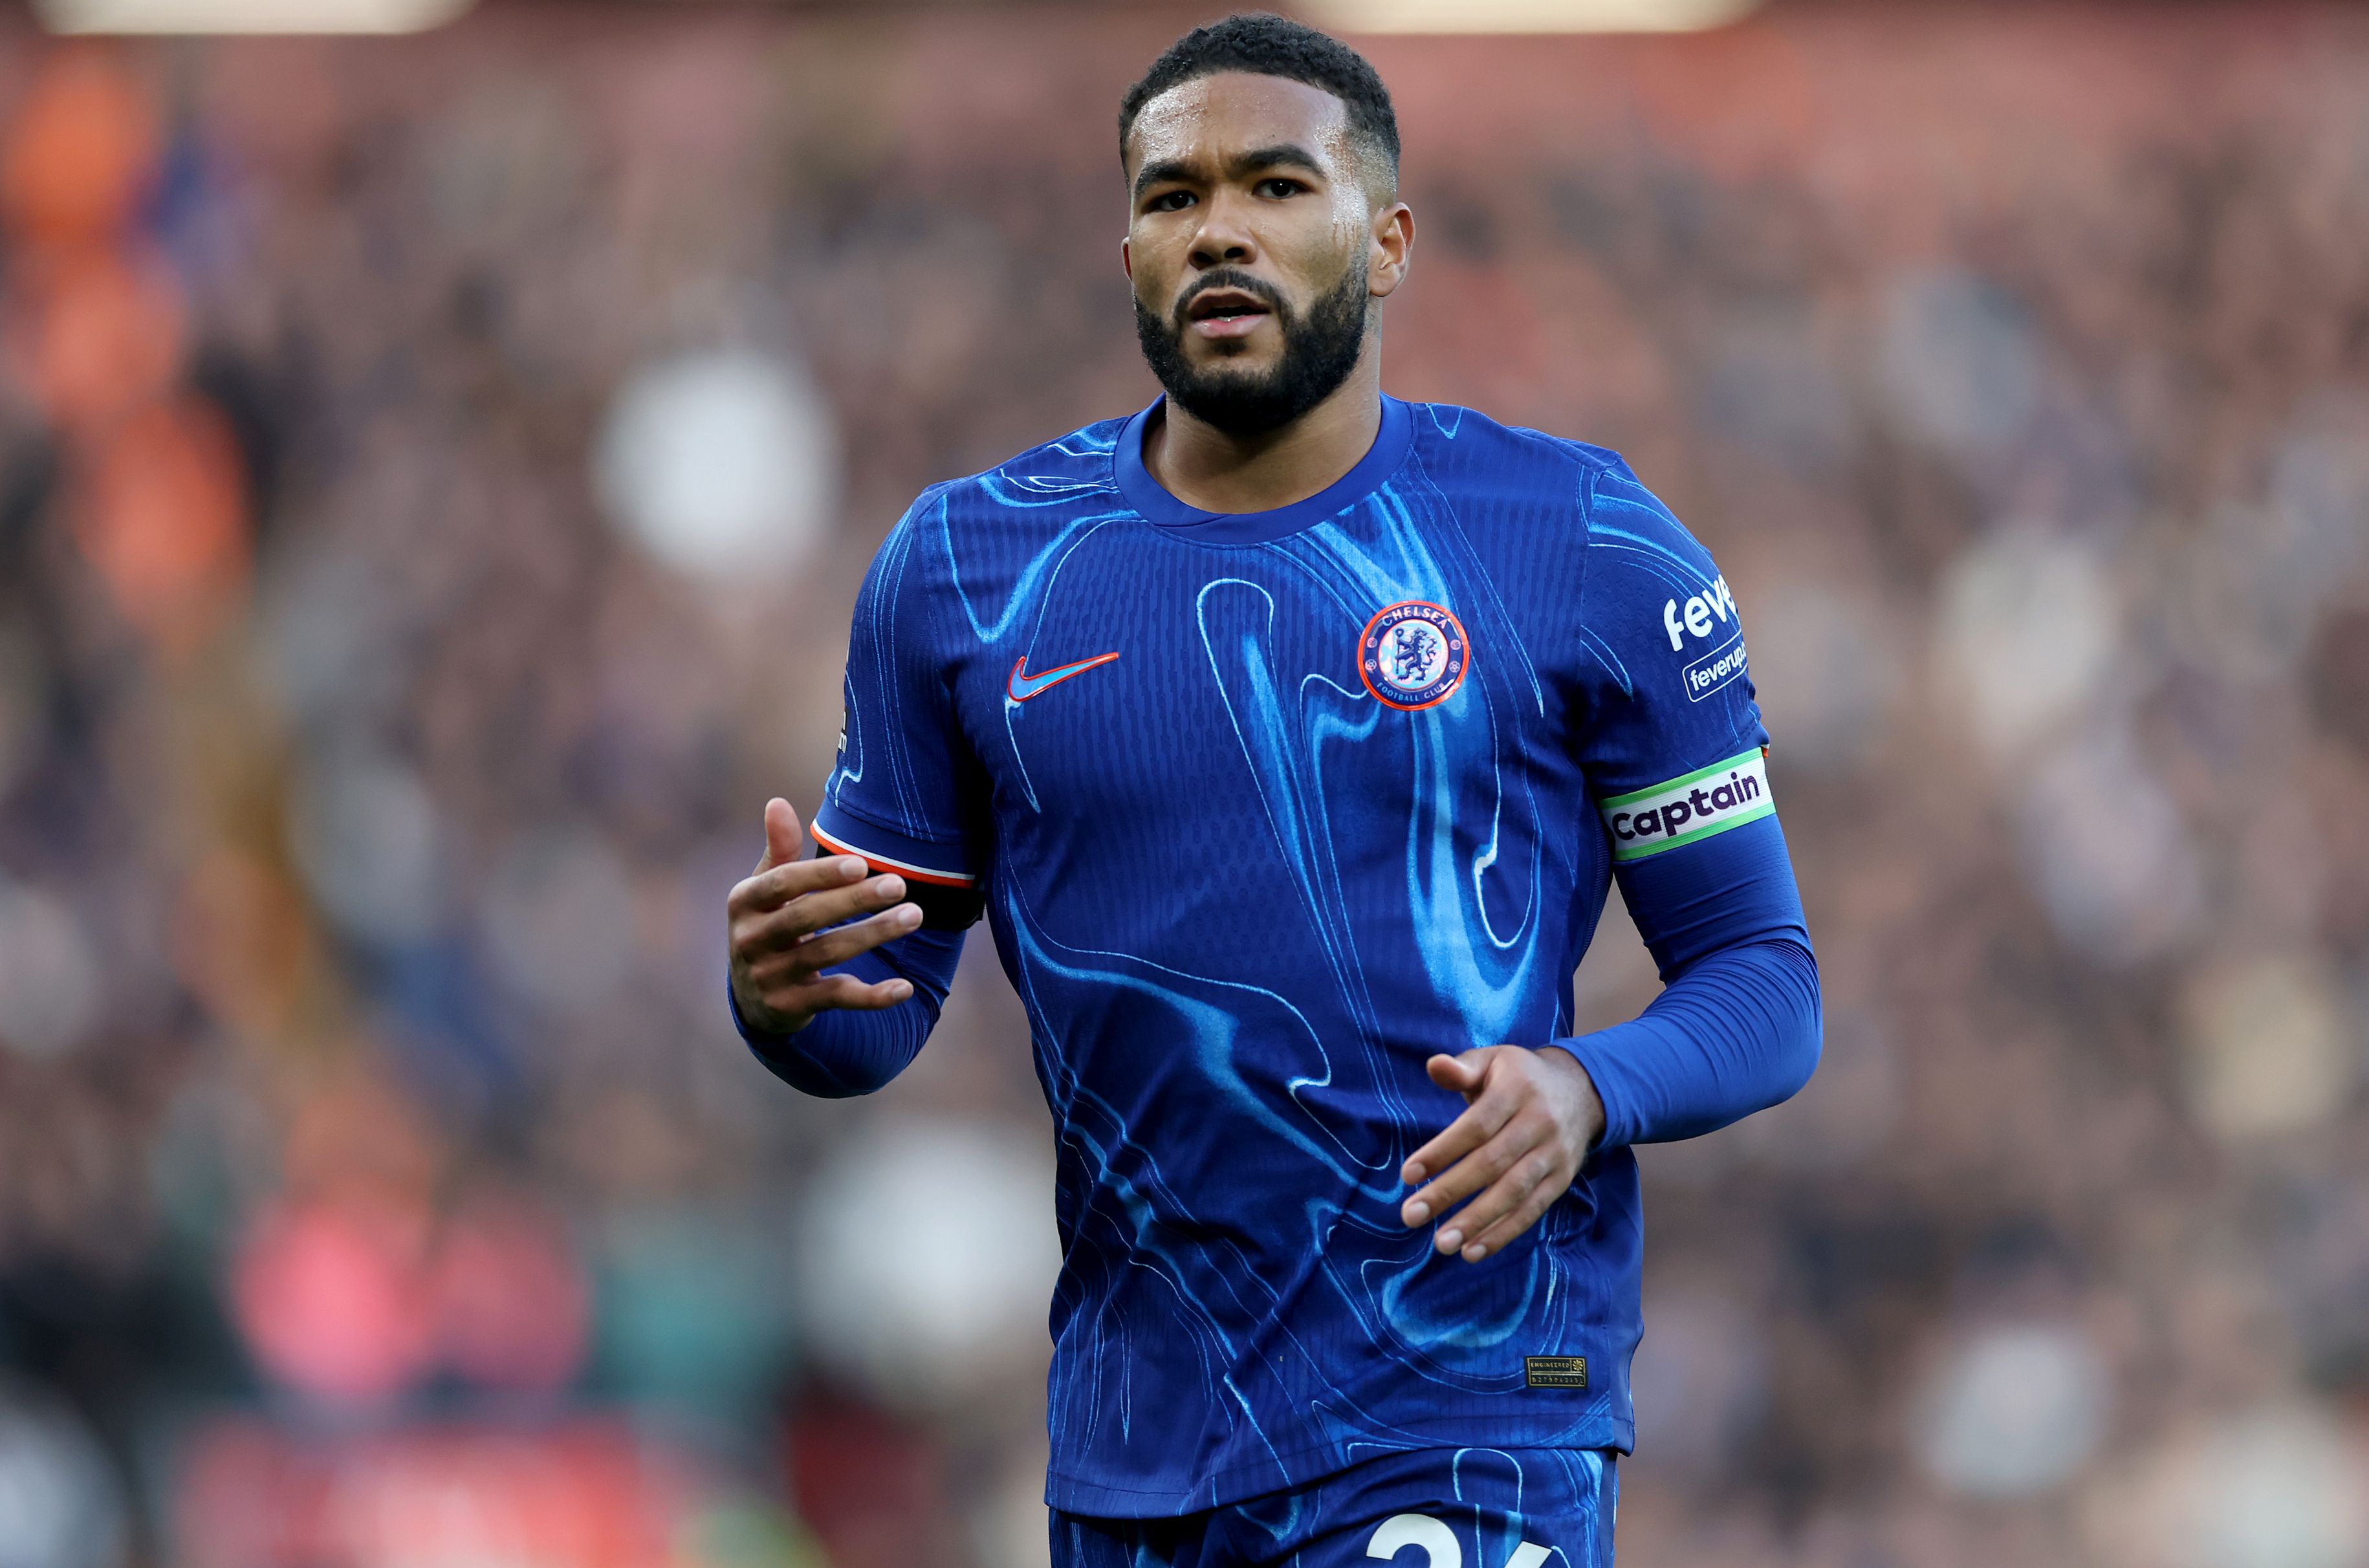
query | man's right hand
[780, 946]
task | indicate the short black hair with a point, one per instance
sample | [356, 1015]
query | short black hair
[1267, 45]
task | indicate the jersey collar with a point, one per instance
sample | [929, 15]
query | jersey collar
[1149, 497]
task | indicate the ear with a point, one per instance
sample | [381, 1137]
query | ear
[1393, 248]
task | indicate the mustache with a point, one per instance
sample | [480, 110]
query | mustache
[1229, 277]
[1321, 346]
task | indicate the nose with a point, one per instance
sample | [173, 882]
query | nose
[1224, 238]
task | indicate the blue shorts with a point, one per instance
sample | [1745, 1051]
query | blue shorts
[1429, 1508]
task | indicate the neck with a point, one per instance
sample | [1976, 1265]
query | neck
[1203, 467]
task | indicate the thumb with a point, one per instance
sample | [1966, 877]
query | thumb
[1463, 1074]
[781, 834]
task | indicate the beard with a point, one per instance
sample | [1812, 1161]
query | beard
[1320, 350]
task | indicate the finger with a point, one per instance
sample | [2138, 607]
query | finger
[1479, 1155]
[841, 992]
[1524, 1173]
[843, 943]
[1467, 1074]
[1468, 1131]
[836, 946]
[776, 886]
[755, 935]
[1528, 1213]
[781, 835]
[1476, 1125]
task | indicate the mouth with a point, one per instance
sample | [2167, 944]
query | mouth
[1216, 315]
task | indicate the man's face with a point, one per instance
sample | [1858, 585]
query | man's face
[1248, 245]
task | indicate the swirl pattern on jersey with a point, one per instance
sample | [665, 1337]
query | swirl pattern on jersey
[1243, 899]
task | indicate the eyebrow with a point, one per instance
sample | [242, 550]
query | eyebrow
[1282, 154]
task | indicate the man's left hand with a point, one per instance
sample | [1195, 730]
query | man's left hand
[1530, 1120]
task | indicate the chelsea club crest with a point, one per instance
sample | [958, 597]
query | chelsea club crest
[1414, 655]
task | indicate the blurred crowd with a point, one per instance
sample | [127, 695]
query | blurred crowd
[433, 478]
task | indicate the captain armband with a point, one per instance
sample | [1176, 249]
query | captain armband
[1706, 802]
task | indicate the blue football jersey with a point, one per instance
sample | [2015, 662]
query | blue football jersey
[1264, 810]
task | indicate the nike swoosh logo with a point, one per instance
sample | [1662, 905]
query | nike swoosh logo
[1024, 685]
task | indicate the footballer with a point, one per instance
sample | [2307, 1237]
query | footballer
[1287, 737]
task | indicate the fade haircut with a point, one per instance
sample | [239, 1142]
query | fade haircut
[1267, 45]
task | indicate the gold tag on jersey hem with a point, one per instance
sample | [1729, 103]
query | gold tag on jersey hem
[1555, 1371]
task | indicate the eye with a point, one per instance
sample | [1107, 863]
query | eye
[1169, 202]
[1278, 187]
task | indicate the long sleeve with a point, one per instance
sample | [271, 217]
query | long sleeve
[1738, 1026]
[1677, 757]
[905, 796]
[846, 1052]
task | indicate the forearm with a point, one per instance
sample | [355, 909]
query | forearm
[1737, 1032]
[844, 1052]
[1738, 1027]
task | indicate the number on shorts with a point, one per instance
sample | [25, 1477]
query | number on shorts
[1440, 1547]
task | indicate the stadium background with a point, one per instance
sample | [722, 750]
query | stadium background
[433, 478]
